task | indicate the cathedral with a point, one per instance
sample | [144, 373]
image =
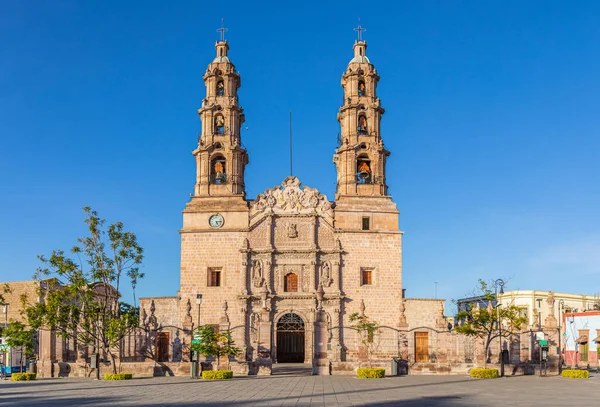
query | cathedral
[284, 271]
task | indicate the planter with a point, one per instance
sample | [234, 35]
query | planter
[217, 374]
[18, 377]
[370, 373]
[484, 373]
[575, 374]
[118, 376]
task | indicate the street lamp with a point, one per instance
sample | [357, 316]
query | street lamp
[195, 362]
[561, 307]
[499, 282]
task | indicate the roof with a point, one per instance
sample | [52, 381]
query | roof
[582, 339]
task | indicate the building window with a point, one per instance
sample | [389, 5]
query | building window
[214, 277]
[421, 347]
[366, 276]
[220, 88]
[366, 223]
[218, 171]
[290, 283]
[219, 124]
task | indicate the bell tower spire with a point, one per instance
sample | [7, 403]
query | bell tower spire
[220, 157]
[360, 157]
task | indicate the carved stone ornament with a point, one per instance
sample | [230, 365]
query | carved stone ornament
[292, 230]
[290, 197]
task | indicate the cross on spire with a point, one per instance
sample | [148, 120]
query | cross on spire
[222, 30]
[360, 30]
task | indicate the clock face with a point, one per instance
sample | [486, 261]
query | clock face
[216, 221]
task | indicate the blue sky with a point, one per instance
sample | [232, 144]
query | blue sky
[492, 118]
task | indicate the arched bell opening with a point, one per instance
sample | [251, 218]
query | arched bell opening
[218, 170]
[362, 124]
[219, 124]
[220, 87]
[364, 174]
[362, 89]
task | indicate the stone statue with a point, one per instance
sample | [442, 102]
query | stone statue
[292, 230]
[326, 279]
[550, 301]
[257, 274]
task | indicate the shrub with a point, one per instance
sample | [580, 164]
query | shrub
[217, 374]
[17, 377]
[483, 373]
[576, 374]
[118, 376]
[370, 373]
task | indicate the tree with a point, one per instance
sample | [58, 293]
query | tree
[18, 336]
[482, 323]
[215, 344]
[86, 305]
[367, 331]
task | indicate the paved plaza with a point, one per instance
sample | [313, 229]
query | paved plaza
[303, 390]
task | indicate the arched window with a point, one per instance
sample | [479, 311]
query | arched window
[290, 283]
[362, 89]
[220, 88]
[219, 124]
[363, 170]
[362, 124]
[218, 170]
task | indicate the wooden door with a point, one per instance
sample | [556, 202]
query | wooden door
[162, 347]
[421, 346]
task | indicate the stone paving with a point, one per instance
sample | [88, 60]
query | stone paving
[302, 390]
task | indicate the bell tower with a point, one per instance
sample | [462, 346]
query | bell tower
[362, 200]
[360, 157]
[220, 157]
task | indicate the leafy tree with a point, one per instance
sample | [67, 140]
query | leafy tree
[86, 305]
[20, 337]
[482, 323]
[215, 344]
[367, 331]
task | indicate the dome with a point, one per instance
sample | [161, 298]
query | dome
[221, 59]
[360, 59]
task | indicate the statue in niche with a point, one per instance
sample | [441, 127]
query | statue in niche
[292, 230]
[326, 278]
[257, 274]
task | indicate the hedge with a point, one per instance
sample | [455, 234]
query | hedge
[17, 377]
[576, 374]
[370, 373]
[483, 373]
[217, 374]
[118, 376]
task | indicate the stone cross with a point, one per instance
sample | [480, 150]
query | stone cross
[360, 30]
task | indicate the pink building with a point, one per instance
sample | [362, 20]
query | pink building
[581, 334]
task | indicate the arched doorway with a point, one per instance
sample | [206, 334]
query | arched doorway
[290, 339]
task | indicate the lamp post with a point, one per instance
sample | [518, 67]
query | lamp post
[499, 282]
[561, 307]
[195, 356]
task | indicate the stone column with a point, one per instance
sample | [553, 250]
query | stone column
[264, 362]
[336, 346]
[188, 327]
[321, 364]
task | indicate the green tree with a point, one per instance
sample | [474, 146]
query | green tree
[215, 344]
[367, 331]
[85, 305]
[482, 322]
[18, 336]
